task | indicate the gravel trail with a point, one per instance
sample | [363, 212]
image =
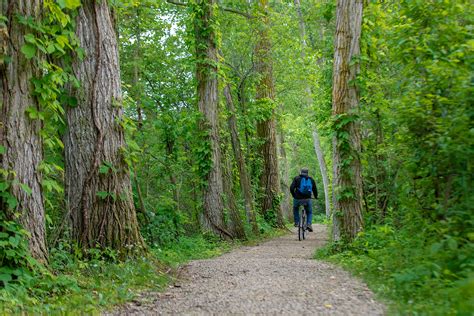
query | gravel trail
[277, 277]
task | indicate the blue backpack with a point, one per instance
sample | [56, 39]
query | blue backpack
[306, 187]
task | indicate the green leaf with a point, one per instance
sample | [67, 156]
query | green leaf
[5, 277]
[29, 50]
[73, 4]
[81, 53]
[72, 101]
[103, 169]
[30, 38]
[2, 150]
[62, 40]
[50, 48]
[3, 186]
[69, 4]
[102, 194]
[12, 202]
[34, 114]
[26, 188]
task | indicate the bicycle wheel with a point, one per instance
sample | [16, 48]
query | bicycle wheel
[300, 232]
[303, 224]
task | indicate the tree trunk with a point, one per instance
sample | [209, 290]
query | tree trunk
[324, 172]
[266, 128]
[207, 94]
[345, 102]
[245, 184]
[20, 135]
[98, 188]
[236, 224]
[309, 100]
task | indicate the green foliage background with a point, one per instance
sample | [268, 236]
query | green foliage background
[416, 117]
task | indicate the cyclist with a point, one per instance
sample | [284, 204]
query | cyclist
[301, 189]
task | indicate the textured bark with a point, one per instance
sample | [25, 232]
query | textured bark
[309, 101]
[244, 178]
[19, 135]
[266, 129]
[345, 100]
[324, 171]
[207, 93]
[236, 225]
[95, 137]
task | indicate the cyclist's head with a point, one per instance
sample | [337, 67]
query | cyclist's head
[304, 171]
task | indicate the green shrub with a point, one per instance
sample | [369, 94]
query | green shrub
[421, 271]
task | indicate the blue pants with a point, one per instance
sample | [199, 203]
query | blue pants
[308, 208]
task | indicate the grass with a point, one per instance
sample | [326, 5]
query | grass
[412, 270]
[79, 286]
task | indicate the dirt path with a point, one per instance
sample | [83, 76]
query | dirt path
[276, 277]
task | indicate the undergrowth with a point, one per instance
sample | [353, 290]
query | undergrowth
[419, 269]
[88, 285]
[75, 284]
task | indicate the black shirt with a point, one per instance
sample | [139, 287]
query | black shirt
[296, 184]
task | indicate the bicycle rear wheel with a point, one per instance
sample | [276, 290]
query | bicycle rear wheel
[303, 224]
[300, 232]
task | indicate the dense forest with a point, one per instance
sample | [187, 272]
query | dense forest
[138, 134]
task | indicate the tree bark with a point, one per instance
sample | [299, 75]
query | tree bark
[309, 101]
[345, 102]
[207, 94]
[266, 128]
[236, 224]
[98, 189]
[245, 184]
[20, 135]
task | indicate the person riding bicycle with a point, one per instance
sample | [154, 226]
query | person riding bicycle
[301, 189]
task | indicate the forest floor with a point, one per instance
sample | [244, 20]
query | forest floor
[279, 276]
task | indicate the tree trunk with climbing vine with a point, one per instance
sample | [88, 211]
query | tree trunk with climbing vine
[348, 219]
[20, 134]
[266, 125]
[244, 178]
[98, 189]
[208, 102]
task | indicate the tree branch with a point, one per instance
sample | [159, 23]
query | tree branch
[231, 10]
[183, 4]
[235, 11]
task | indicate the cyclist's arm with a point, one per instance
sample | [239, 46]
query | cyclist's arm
[293, 187]
[315, 190]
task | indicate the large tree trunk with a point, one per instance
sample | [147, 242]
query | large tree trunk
[236, 224]
[98, 186]
[345, 101]
[309, 101]
[266, 128]
[245, 184]
[20, 135]
[207, 93]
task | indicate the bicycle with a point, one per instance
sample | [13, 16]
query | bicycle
[302, 225]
